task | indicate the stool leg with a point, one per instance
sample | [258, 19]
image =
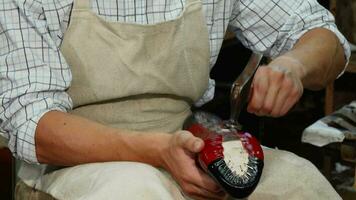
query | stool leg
[327, 166]
[355, 179]
[13, 171]
[329, 99]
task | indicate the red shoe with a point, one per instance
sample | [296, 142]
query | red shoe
[237, 173]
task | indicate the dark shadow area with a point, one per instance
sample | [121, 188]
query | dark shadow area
[5, 174]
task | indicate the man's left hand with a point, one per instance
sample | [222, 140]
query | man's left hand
[276, 88]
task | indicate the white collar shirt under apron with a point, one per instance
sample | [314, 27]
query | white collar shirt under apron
[34, 74]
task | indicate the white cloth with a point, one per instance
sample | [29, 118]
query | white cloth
[320, 134]
[34, 75]
[332, 128]
[111, 180]
[285, 176]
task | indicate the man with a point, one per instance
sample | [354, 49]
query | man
[99, 81]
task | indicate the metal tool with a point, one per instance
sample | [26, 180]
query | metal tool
[240, 90]
[214, 131]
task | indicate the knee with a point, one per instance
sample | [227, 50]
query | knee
[112, 180]
[127, 173]
[291, 164]
[135, 181]
[288, 176]
[297, 161]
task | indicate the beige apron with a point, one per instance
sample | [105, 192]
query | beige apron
[140, 77]
[130, 76]
[145, 77]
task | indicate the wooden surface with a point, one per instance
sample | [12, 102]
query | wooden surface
[343, 11]
[5, 174]
[351, 68]
[329, 99]
[355, 180]
[329, 92]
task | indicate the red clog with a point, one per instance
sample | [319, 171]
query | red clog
[240, 171]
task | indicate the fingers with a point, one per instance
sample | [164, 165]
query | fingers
[181, 164]
[201, 194]
[201, 180]
[259, 91]
[193, 181]
[291, 100]
[275, 91]
[189, 142]
[202, 187]
[281, 99]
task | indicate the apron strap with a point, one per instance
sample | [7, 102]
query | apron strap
[82, 4]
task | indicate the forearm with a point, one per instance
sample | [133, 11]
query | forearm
[317, 58]
[67, 140]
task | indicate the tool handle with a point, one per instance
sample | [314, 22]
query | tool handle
[240, 90]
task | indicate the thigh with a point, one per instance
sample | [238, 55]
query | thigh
[111, 180]
[288, 176]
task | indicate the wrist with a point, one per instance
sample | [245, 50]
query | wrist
[157, 146]
[163, 145]
[144, 147]
[290, 65]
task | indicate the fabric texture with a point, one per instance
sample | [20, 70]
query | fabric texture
[285, 176]
[34, 74]
[335, 127]
[135, 89]
[150, 86]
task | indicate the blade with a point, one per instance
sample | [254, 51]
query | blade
[240, 90]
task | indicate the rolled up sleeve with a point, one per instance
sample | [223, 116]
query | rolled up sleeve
[273, 27]
[33, 75]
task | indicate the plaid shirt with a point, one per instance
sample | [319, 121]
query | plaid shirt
[34, 74]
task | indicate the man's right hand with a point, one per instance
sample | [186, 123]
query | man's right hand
[66, 140]
[179, 160]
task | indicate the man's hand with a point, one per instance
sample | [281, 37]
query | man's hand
[315, 61]
[276, 88]
[179, 161]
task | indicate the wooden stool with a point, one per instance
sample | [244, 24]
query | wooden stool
[348, 153]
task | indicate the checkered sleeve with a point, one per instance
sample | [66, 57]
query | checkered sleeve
[33, 75]
[273, 27]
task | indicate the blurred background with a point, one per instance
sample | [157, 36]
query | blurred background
[336, 161]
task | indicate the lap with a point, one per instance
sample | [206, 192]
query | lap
[110, 180]
[288, 176]
[285, 176]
